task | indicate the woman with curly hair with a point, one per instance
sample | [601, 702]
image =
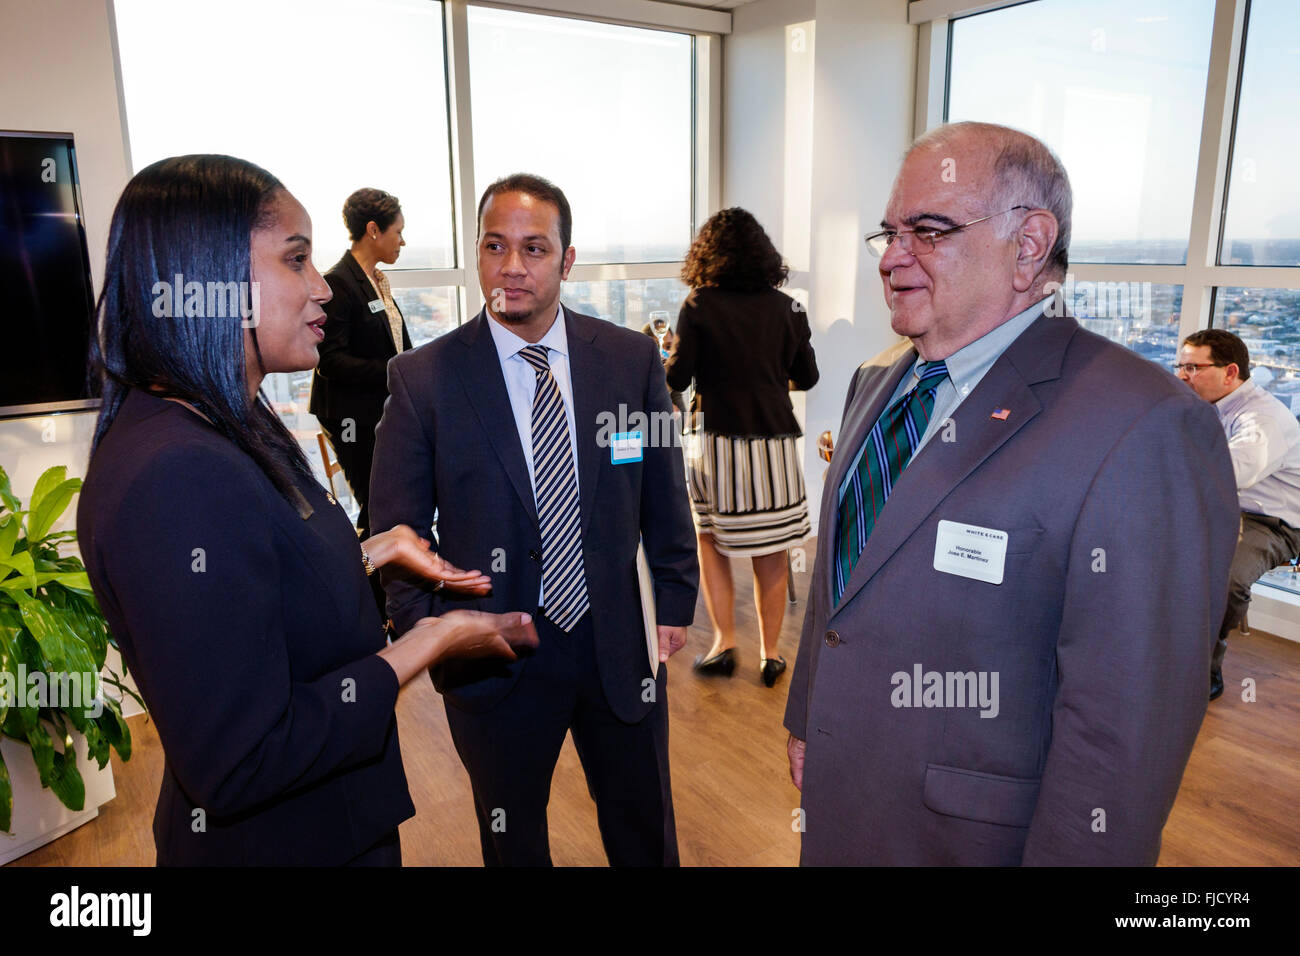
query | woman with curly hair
[746, 345]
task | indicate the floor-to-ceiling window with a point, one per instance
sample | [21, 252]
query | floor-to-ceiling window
[334, 95]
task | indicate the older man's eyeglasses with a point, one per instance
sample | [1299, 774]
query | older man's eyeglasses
[921, 241]
[1191, 368]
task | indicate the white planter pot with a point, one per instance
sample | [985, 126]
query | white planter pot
[39, 817]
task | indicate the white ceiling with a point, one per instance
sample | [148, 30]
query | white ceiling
[710, 4]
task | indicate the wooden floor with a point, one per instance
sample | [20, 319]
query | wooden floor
[733, 796]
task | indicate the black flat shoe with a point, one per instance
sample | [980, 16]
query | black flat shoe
[723, 663]
[1216, 685]
[772, 670]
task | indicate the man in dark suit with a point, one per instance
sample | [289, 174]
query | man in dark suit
[363, 330]
[1023, 550]
[497, 427]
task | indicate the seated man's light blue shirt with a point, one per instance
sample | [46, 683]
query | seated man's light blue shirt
[966, 367]
[521, 386]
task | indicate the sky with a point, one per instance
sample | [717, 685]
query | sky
[334, 95]
[1117, 88]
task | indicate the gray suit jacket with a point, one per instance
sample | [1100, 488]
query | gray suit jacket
[447, 443]
[1114, 484]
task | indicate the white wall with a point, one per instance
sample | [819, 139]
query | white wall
[863, 56]
[56, 75]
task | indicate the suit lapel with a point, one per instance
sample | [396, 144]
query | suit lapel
[368, 292]
[587, 376]
[877, 385]
[942, 465]
[485, 387]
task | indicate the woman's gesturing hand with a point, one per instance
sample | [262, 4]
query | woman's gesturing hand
[480, 634]
[460, 634]
[401, 548]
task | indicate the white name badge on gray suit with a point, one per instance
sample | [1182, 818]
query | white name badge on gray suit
[970, 551]
[376, 305]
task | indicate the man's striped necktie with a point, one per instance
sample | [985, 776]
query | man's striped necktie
[887, 451]
[564, 583]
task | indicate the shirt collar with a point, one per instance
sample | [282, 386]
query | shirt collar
[508, 344]
[971, 362]
[1232, 403]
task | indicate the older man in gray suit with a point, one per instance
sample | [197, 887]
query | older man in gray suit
[1024, 546]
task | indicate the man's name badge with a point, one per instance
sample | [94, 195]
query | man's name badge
[970, 551]
[376, 305]
[625, 447]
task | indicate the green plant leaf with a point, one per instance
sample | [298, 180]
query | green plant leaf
[96, 744]
[38, 738]
[22, 718]
[74, 711]
[43, 626]
[6, 797]
[6, 496]
[10, 525]
[114, 682]
[42, 516]
[115, 728]
[72, 580]
[58, 770]
[50, 479]
[88, 623]
[8, 666]
[54, 630]
[69, 534]
[66, 780]
[22, 563]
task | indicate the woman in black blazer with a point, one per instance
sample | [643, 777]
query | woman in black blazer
[233, 583]
[364, 328]
[745, 345]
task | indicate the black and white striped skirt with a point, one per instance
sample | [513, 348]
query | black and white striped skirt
[747, 492]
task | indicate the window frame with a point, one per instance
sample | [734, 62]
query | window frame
[1201, 277]
[706, 126]
[705, 27]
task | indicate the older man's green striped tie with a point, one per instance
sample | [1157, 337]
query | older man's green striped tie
[885, 454]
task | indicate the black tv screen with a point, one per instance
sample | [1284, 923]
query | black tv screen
[46, 297]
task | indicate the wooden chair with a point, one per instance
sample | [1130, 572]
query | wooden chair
[332, 466]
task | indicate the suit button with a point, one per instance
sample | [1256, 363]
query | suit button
[534, 555]
[832, 639]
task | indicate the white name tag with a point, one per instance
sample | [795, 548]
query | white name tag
[625, 447]
[376, 305]
[969, 551]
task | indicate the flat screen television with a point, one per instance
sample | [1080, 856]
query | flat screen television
[46, 293]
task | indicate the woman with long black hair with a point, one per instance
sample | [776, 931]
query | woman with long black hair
[235, 585]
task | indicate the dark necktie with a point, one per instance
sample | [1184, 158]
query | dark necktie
[564, 583]
[887, 451]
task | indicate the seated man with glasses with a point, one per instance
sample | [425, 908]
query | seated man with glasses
[1025, 533]
[1264, 441]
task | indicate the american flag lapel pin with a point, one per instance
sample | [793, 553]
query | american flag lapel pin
[1000, 414]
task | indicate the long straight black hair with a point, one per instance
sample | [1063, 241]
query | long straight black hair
[189, 219]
